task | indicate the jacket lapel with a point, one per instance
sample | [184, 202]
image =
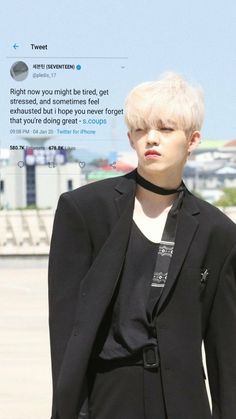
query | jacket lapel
[186, 229]
[99, 283]
[126, 187]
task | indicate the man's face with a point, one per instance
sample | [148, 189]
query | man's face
[163, 149]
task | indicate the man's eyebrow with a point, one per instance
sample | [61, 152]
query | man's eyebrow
[167, 122]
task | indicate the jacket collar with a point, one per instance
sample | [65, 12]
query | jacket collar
[186, 229]
[126, 187]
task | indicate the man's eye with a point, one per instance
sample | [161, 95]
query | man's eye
[139, 130]
[167, 129]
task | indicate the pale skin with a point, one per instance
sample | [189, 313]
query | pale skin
[164, 169]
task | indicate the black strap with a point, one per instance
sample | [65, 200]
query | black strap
[164, 255]
[155, 188]
[147, 356]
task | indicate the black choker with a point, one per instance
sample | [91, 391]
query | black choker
[156, 189]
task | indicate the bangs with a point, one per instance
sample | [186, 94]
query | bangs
[168, 102]
[155, 115]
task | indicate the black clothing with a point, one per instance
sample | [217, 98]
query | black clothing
[136, 393]
[130, 328]
[130, 392]
[89, 242]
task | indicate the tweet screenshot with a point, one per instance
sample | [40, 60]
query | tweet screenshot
[64, 98]
[63, 123]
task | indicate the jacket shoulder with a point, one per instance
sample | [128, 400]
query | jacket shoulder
[96, 192]
[214, 217]
[97, 187]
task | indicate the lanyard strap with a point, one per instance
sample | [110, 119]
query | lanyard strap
[164, 255]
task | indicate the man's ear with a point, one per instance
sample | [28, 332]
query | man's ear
[130, 139]
[193, 141]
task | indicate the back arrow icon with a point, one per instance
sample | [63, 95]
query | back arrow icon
[15, 46]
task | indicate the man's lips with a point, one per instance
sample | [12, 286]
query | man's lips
[152, 153]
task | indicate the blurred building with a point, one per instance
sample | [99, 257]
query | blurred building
[36, 178]
[211, 168]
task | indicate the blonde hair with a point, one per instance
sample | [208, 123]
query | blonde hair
[170, 98]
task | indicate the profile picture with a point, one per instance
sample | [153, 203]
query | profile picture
[19, 71]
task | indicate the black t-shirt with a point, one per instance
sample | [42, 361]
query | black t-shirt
[126, 327]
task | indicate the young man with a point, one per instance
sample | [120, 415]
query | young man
[140, 273]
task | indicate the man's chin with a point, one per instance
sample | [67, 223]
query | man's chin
[153, 167]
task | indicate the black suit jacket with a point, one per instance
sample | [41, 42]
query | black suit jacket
[89, 241]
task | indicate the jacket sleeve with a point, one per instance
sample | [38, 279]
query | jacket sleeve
[220, 343]
[69, 260]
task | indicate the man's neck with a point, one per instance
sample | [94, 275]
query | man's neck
[164, 180]
[153, 204]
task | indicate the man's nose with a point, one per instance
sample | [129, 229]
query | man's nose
[153, 136]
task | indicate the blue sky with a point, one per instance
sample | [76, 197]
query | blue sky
[196, 39]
